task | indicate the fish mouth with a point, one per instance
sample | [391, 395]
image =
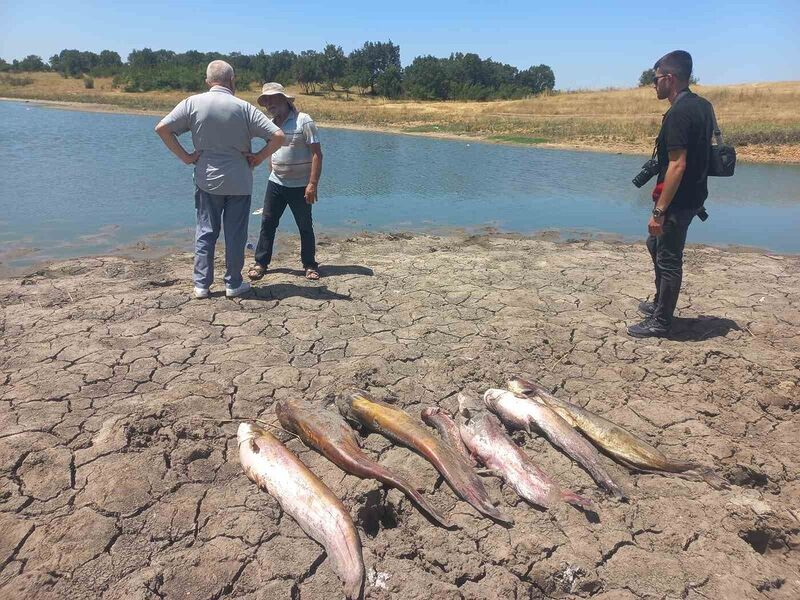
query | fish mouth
[491, 396]
[519, 386]
[247, 432]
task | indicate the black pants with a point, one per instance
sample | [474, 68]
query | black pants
[666, 251]
[276, 200]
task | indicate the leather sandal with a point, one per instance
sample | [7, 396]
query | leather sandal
[256, 271]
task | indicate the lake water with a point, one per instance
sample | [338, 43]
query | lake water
[82, 183]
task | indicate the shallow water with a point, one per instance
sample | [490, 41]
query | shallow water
[82, 183]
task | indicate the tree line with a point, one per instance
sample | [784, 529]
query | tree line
[372, 69]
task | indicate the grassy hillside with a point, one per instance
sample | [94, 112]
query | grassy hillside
[762, 119]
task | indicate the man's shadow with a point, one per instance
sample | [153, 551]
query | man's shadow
[328, 271]
[281, 291]
[701, 328]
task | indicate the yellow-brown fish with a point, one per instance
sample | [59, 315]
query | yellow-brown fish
[404, 429]
[329, 434]
[522, 412]
[623, 446]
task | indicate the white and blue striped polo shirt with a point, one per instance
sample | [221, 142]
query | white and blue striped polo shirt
[291, 163]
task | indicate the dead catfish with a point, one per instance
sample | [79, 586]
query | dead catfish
[399, 426]
[623, 446]
[301, 494]
[330, 435]
[522, 412]
[486, 438]
[448, 429]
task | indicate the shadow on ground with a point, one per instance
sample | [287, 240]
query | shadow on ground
[328, 271]
[281, 291]
[701, 328]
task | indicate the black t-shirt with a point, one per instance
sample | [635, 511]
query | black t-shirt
[689, 125]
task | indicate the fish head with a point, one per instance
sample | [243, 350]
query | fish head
[524, 387]
[355, 404]
[492, 397]
[248, 432]
[283, 410]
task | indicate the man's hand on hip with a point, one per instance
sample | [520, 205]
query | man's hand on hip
[191, 157]
[253, 159]
[311, 193]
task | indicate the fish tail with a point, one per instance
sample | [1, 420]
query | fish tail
[576, 499]
[379, 472]
[608, 484]
[417, 499]
[708, 475]
[698, 472]
[475, 494]
[353, 587]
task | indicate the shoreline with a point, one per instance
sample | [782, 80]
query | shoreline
[141, 250]
[776, 155]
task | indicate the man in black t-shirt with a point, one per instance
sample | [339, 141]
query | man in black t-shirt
[683, 149]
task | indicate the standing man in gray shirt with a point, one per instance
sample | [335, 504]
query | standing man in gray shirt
[222, 127]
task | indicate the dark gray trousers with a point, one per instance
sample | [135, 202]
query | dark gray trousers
[666, 251]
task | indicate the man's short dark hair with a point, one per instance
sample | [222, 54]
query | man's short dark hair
[677, 62]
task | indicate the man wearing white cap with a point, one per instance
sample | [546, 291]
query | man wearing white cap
[296, 168]
[222, 126]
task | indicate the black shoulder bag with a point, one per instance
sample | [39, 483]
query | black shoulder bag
[722, 160]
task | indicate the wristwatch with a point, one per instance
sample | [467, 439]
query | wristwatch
[657, 213]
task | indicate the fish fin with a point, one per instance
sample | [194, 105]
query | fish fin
[576, 499]
[708, 475]
[487, 472]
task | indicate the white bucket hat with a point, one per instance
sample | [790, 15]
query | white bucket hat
[271, 89]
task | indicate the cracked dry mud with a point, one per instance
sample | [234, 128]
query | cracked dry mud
[112, 484]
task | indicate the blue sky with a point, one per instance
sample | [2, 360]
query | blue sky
[588, 44]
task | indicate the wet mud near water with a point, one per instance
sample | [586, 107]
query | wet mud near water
[119, 478]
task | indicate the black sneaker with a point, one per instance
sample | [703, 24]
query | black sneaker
[647, 308]
[648, 328]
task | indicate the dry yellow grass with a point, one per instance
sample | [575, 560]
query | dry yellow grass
[763, 119]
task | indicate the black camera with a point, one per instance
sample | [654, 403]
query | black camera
[649, 169]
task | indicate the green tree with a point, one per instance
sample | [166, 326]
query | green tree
[109, 58]
[307, 70]
[334, 64]
[33, 63]
[536, 80]
[372, 59]
[426, 79]
[646, 78]
[4, 66]
[390, 82]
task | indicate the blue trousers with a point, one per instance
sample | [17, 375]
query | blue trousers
[215, 213]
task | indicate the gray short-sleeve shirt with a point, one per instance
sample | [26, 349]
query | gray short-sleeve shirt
[291, 163]
[222, 126]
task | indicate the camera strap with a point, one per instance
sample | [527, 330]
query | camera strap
[717, 133]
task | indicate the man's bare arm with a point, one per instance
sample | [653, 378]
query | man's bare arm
[316, 171]
[275, 142]
[171, 141]
[672, 179]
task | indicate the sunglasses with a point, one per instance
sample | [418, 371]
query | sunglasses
[657, 77]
